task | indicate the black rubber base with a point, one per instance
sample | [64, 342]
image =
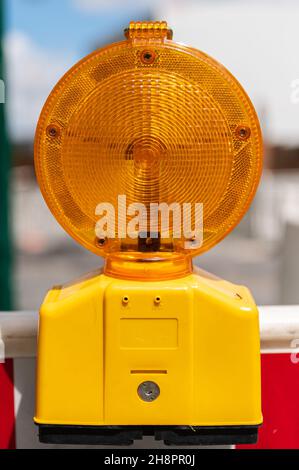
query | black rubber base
[171, 435]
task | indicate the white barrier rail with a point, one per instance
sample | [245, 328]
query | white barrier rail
[279, 330]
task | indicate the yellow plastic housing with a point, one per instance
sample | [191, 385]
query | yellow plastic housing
[196, 337]
[153, 120]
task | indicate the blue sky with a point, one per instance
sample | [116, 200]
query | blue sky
[68, 24]
[44, 38]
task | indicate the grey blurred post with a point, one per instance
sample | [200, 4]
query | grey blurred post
[289, 271]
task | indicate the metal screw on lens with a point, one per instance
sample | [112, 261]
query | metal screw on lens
[243, 132]
[101, 241]
[148, 391]
[53, 130]
[148, 57]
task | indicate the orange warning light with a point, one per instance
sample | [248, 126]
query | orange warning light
[156, 122]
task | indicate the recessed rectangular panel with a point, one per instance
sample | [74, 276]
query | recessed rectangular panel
[148, 342]
[148, 333]
[148, 371]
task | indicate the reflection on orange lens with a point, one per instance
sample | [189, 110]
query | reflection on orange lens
[157, 122]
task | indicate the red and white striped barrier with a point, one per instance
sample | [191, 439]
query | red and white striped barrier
[279, 327]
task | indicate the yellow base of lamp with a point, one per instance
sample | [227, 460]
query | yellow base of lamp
[177, 354]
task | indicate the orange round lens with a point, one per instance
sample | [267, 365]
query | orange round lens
[156, 122]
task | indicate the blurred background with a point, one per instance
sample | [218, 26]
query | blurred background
[257, 40]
